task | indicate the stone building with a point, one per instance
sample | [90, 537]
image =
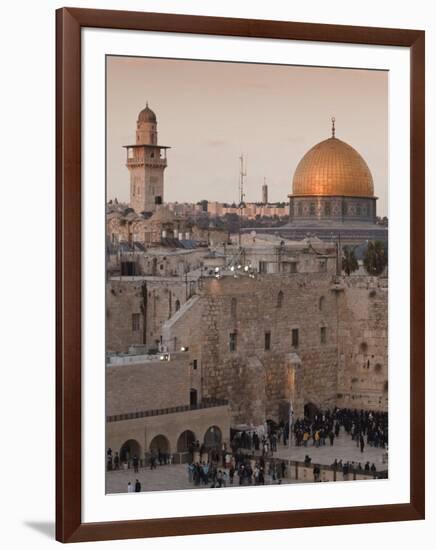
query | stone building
[127, 227]
[162, 279]
[250, 210]
[137, 307]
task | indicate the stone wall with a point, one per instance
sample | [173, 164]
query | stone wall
[345, 209]
[363, 343]
[340, 357]
[345, 366]
[256, 380]
[147, 385]
[159, 298]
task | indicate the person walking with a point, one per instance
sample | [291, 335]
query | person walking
[231, 474]
[129, 488]
[261, 476]
[362, 443]
[331, 437]
[137, 486]
[152, 461]
[190, 472]
[224, 479]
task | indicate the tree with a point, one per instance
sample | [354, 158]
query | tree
[376, 258]
[349, 260]
[204, 204]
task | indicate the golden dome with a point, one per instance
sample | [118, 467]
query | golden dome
[332, 167]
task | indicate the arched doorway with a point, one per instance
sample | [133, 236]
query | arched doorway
[185, 441]
[160, 443]
[129, 449]
[213, 438]
[311, 410]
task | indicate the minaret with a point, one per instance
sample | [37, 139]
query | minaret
[264, 192]
[146, 161]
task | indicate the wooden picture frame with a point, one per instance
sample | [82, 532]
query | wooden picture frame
[69, 526]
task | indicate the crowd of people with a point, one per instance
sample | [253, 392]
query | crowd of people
[242, 470]
[156, 457]
[364, 427]
[250, 459]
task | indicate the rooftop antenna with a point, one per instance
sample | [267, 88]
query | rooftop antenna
[242, 175]
[333, 127]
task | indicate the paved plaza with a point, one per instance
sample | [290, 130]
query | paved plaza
[175, 476]
[163, 478]
[344, 448]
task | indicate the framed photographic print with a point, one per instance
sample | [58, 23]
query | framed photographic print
[240, 274]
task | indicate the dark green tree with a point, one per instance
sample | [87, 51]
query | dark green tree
[204, 204]
[349, 260]
[376, 258]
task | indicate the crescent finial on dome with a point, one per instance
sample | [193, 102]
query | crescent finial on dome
[333, 127]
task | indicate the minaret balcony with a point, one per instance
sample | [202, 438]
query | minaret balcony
[154, 162]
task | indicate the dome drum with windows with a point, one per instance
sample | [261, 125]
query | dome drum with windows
[332, 182]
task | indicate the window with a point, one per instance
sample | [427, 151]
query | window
[193, 397]
[177, 305]
[327, 209]
[312, 209]
[293, 267]
[194, 364]
[295, 337]
[344, 208]
[233, 306]
[280, 299]
[232, 341]
[135, 322]
[128, 268]
[267, 341]
[321, 303]
[323, 335]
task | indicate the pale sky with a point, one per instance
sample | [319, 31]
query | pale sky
[211, 112]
